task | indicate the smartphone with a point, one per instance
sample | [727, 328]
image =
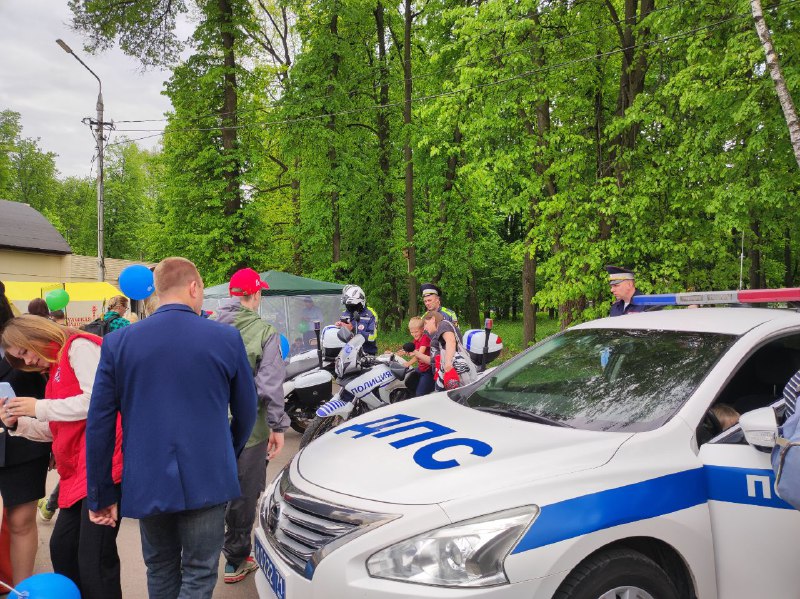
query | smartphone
[6, 392]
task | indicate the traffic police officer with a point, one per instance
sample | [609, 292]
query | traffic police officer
[624, 289]
[358, 318]
[432, 298]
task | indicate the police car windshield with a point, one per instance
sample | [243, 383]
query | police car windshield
[604, 380]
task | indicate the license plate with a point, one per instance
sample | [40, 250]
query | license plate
[276, 581]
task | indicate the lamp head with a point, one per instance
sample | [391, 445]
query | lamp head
[64, 46]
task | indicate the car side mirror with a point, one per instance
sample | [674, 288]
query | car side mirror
[760, 427]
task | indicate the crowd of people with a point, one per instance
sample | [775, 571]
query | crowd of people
[181, 445]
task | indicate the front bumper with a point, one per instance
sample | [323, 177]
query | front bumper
[338, 570]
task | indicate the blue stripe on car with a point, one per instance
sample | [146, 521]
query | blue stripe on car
[743, 485]
[649, 499]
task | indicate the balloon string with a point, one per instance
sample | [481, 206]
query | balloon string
[13, 590]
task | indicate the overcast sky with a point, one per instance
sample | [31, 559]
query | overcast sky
[53, 92]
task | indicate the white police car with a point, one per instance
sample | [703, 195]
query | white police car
[587, 467]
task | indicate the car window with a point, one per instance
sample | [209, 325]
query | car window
[607, 380]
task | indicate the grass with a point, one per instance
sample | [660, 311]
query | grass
[510, 331]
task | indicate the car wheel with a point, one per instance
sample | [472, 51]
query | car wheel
[617, 574]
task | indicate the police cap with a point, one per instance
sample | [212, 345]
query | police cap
[617, 274]
[429, 289]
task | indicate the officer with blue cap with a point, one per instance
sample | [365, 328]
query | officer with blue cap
[624, 289]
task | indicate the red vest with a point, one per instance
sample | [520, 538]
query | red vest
[69, 438]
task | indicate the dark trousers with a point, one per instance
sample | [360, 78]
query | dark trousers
[86, 553]
[241, 513]
[52, 501]
[181, 552]
[425, 384]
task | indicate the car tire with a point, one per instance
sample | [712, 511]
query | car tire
[617, 574]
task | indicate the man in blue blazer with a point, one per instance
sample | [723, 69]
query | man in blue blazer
[175, 378]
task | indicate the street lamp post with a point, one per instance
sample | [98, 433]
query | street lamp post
[99, 125]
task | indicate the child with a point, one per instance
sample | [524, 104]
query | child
[421, 356]
[726, 415]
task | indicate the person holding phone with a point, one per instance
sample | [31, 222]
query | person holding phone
[81, 550]
[23, 467]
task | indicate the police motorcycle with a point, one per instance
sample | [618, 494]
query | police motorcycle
[367, 383]
[309, 383]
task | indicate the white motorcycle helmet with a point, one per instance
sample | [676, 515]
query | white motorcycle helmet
[353, 298]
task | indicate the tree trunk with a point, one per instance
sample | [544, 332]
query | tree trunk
[297, 248]
[528, 291]
[540, 133]
[449, 183]
[755, 256]
[784, 97]
[408, 157]
[631, 84]
[396, 313]
[232, 167]
[336, 238]
[788, 263]
[473, 310]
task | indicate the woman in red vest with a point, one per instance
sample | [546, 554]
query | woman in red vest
[79, 549]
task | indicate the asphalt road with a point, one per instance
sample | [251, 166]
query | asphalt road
[134, 578]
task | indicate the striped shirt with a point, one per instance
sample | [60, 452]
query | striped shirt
[790, 392]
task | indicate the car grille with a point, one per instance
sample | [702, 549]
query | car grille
[303, 529]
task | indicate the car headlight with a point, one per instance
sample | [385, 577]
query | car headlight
[466, 554]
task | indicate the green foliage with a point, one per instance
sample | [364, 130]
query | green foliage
[575, 133]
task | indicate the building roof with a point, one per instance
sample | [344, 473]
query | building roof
[24, 228]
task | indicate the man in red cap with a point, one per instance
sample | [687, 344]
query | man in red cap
[262, 343]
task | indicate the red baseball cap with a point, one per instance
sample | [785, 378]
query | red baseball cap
[246, 282]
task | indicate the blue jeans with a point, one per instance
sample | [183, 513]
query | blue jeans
[425, 384]
[181, 551]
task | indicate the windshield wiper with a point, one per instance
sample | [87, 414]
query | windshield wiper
[522, 415]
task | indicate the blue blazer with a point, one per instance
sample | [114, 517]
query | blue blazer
[174, 377]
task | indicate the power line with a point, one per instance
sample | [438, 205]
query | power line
[429, 97]
[427, 75]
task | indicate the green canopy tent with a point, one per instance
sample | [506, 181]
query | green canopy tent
[291, 305]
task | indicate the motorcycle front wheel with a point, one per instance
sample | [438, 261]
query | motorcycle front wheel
[318, 427]
[299, 417]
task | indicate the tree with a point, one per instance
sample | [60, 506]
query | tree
[147, 32]
[773, 64]
[9, 136]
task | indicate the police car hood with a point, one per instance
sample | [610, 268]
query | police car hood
[431, 449]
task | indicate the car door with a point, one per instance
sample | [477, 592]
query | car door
[755, 533]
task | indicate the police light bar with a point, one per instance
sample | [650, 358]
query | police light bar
[745, 296]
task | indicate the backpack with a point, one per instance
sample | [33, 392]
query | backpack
[786, 461]
[99, 326]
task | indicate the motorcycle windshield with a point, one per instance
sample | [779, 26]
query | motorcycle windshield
[347, 360]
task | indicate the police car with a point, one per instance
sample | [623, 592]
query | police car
[590, 466]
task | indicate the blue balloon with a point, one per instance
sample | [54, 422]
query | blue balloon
[284, 347]
[136, 281]
[49, 586]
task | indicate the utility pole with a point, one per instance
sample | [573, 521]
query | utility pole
[99, 128]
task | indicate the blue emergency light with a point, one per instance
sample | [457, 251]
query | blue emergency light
[704, 298]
